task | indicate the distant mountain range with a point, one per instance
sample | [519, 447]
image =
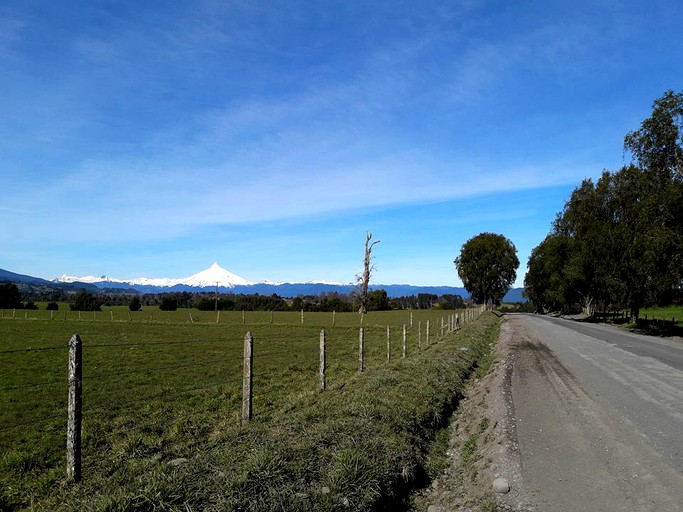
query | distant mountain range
[217, 278]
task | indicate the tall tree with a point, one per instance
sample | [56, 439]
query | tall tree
[487, 266]
[364, 278]
[10, 297]
[626, 231]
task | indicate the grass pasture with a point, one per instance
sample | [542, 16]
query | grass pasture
[162, 386]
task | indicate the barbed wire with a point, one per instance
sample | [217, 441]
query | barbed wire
[64, 347]
[174, 391]
[35, 385]
[32, 422]
[98, 376]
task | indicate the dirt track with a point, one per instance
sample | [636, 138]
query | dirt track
[576, 451]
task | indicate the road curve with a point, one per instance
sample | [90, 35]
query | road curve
[598, 415]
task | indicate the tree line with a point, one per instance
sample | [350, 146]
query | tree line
[376, 300]
[618, 242]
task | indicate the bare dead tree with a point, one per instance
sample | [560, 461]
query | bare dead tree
[364, 279]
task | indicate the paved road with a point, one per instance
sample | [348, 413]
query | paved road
[598, 415]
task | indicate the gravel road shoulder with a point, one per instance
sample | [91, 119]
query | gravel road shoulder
[530, 424]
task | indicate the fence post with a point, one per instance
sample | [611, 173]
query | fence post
[427, 334]
[242, 317]
[111, 314]
[247, 378]
[302, 316]
[442, 327]
[411, 319]
[333, 313]
[323, 360]
[218, 315]
[75, 403]
[361, 347]
[419, 334]
[388, 344]
[405, 342]
[271, 316]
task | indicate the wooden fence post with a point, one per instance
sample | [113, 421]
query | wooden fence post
[333, 313]
[411, 319]
[271, 316]
[405, 342]
[419, 334]
[75, 405]
[427, 333]
[247, 378]
[361, 347]
[323, 361]
[218, 316]
[388, 343]
[442, 327]
[302, 316]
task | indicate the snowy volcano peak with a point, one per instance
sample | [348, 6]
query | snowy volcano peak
[215, 275]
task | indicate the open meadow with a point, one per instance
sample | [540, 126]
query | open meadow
[162, 398]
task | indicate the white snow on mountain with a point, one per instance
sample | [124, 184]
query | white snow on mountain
[86, 279]
[215, 275]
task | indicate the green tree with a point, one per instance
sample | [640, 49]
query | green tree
[168, 303]
[135, 304]
[487, 266]
[85, 301]
[378, 300]
[10, 298]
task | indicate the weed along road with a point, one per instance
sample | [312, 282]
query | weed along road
[598, 415]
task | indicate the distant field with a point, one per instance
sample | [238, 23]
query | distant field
[160, 385]
[666, 313]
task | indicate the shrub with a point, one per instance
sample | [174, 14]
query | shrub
[135, 304]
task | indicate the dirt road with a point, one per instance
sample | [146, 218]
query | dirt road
[597, 416]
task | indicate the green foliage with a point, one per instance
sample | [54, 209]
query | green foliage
[620, 241]
[135, 304]
[85, 301]
[10, 298]
[52, 306]
[487, 266]
[168, 303]
[377, 301]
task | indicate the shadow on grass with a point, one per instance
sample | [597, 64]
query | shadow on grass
[649, 326]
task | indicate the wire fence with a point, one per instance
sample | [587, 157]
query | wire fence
[122, 381]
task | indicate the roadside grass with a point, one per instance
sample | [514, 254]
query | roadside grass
[655, 321]
[362, 444]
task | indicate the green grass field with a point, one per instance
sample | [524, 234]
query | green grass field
[664, 313]
[162, 385]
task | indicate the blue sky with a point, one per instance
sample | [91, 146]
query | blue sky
[153, 138]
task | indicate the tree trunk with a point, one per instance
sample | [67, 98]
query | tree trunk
[365, 278]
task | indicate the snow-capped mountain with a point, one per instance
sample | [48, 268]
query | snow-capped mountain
[213, 276]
